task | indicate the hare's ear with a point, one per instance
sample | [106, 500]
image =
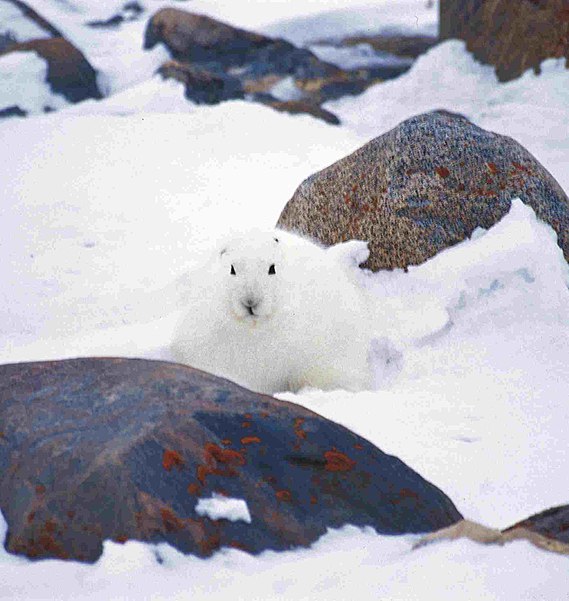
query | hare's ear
[352, 252]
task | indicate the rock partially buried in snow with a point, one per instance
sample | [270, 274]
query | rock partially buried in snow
[525, 34]
[68, 71]
[548, 530]
[422, 187]
[95, 449]
[249, 64]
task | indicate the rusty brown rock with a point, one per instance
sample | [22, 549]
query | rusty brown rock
[96, 449]
[512, 36]
[68, 71]
[422, 187]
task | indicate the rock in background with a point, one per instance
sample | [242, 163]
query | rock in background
[422, 187]
[217, 62]
[512, 36]
[68, 73]
[95, 449]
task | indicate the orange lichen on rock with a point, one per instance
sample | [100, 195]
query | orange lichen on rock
[250, 439]
[214, 456]
[442, 172]
[170, 459]
[170, 520]
[338, 462]
[193, 488]
[300, 433]
[284, 495]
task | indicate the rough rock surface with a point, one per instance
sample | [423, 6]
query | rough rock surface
[95, 449]
[552, 523]
[422, 187]
[512, 36]
[548, 530]
[249, 62]
[68, 72]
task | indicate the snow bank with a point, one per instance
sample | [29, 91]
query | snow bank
[346, 563]
[13, 21]
[219, 507]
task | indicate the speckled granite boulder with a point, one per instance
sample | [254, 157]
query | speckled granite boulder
[422, 187]
[68, 71]
[95, 449]
[512, 36]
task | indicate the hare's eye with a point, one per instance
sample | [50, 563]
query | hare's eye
[232, 270]
[272, 270]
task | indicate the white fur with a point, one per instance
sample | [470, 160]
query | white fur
[308, 323]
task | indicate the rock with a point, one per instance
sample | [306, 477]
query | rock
[407, 46]
[95, 449]
[201, 86]
[242, 60]
[69, 72]
[298, 107]
[552, 523]
[548, 530]
[30, 14]
[12, 111]
[129, 12]
[512, 36]
[422, 187]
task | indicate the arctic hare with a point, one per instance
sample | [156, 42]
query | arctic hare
[273, 311]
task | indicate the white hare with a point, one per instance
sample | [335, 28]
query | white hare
[273, 311]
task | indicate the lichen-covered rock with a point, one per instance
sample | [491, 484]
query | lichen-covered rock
[68, 71]
[95, 449]
[422, 187]
[512, 36]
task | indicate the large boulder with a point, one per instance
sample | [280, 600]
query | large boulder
[512, 36]
[422, 187]
[68, 71]
[95, 449]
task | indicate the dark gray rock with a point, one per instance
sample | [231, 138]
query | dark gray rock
[201, 86]
[249, 61]
[12, 111]
[422, 187]
[552, 523]
[129, 12]
[95, 449]
[68, 71]
[512, 36]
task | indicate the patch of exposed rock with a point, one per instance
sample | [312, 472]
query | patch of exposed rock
[512, 36]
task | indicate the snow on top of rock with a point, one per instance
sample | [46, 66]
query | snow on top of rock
[220, 507]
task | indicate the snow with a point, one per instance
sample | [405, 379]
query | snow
[13, 21]
[112, 201]
[357, 57]
[23, 83]
[219, 507]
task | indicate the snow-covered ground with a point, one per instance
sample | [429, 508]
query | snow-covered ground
[105, 206]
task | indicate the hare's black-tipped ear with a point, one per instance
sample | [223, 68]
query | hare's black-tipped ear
[276, 239]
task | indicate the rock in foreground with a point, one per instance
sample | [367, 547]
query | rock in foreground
[424, 186]
[95, 449]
